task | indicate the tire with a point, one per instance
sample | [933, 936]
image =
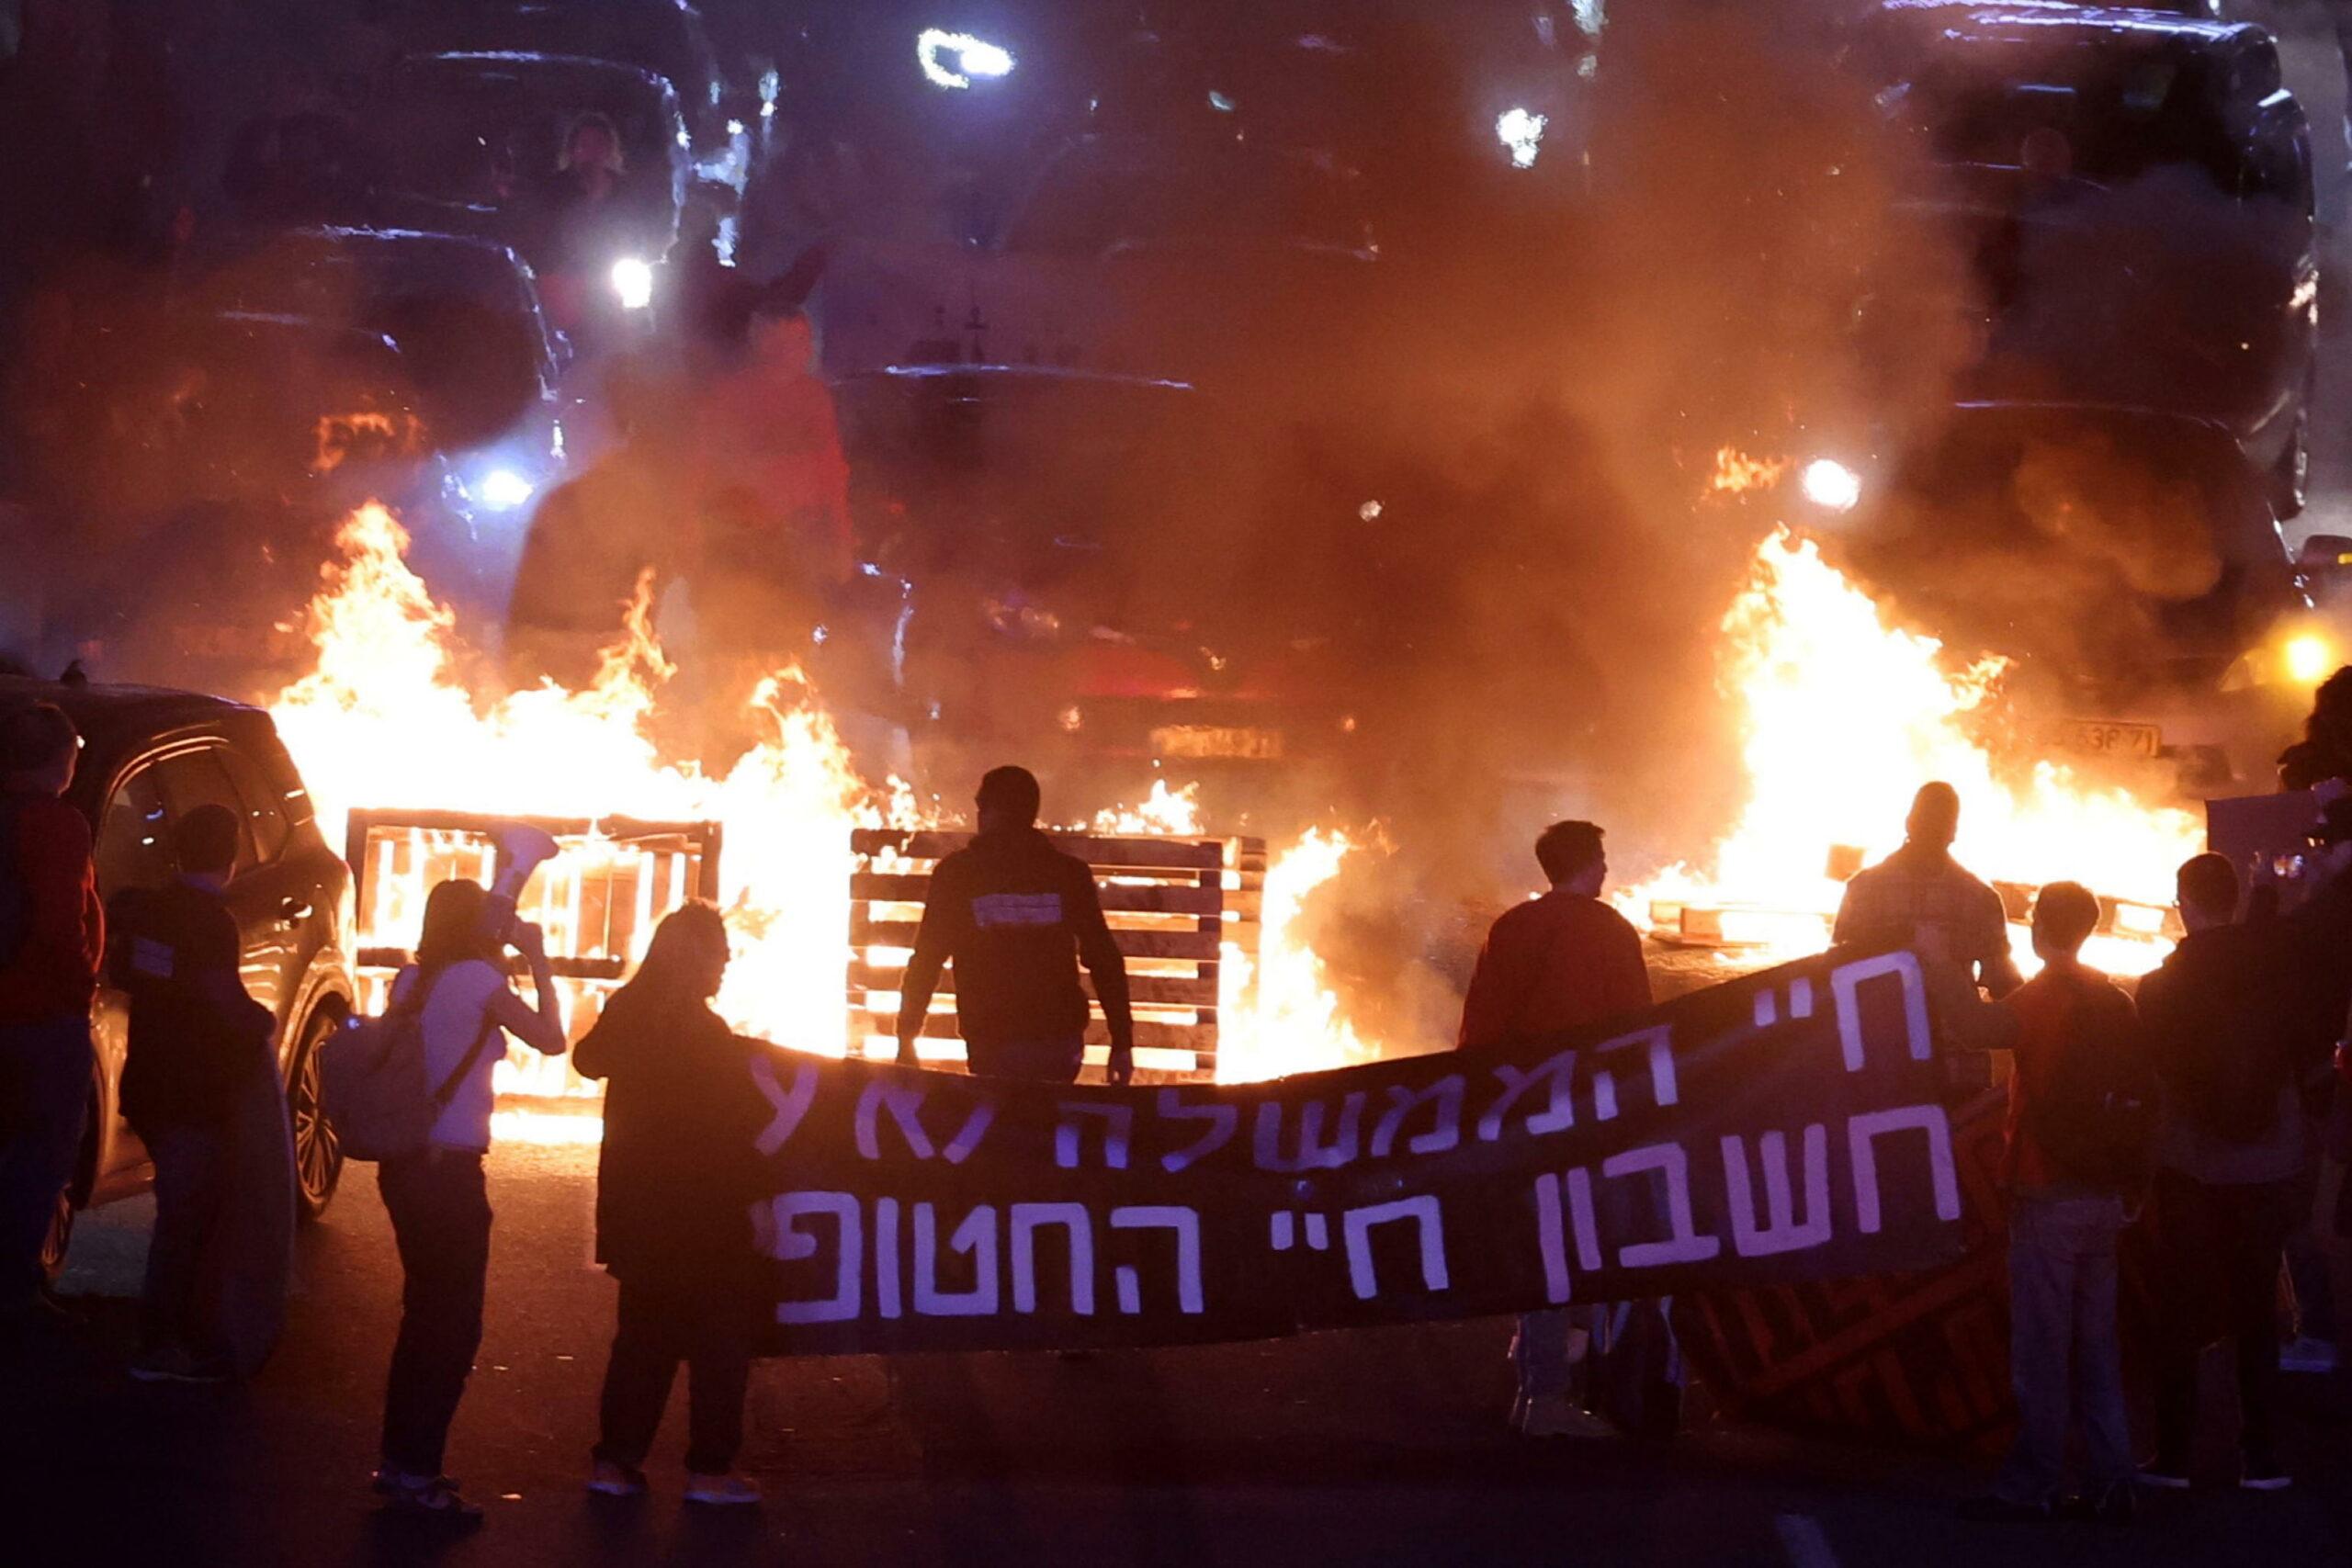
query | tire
[318, 1153]
[60, 1237]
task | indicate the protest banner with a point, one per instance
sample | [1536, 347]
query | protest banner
[1781, 1128]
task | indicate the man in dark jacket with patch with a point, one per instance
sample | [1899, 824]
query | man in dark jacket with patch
[1016, 916]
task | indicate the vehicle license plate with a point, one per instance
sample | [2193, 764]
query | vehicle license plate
[1197, 741]
[2110, 738]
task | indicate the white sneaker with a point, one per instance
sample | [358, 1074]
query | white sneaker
[2308, 1355]
[1557, 1415]
[722, 1491]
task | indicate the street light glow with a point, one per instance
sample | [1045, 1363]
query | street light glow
[972, 56]
[1827, 482]
[1521, 132]
[633, 281]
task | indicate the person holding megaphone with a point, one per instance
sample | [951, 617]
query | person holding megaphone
[439, 1208]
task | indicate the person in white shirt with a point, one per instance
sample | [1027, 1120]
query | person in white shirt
[439, 1208]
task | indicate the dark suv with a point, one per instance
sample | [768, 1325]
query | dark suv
[148, 755]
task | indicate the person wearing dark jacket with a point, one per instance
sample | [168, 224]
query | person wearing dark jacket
[2227, 1024]
[196, 1040]
[675, 1185]
[51, 936]
[1015, 914]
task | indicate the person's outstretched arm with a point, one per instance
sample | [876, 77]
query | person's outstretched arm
[1107, 967]
[935, 939]
[540, 1027]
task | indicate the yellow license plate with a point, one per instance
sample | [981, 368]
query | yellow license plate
[2109, 738]
[1194, 742]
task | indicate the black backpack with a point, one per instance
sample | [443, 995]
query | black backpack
[2094, 1112]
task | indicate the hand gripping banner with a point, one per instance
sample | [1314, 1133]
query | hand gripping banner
[1783, 1127]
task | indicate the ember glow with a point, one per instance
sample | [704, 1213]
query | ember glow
[1843, 718]
[1737, 473]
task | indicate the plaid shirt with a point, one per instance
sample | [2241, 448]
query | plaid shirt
[1921, 898]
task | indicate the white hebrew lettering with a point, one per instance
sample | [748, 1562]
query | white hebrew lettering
[789, 1104]
[975, 1235]
[1586, 1229]
[1445, 1128]
[1311, 1152]
[886, 1257]
[1846, 982]
[1187, 1226]
[1548, 1240]
[1356, 1225]
[1682, 1243]
[1222, 1121]
[792, 1245]
[1928, 1119]
[1780, 1231]
[1072, 1217]
[1282, 1230]
[1318, 1233]
[1768, 1008]
[1118, 1126]
[904, 1103]
[1659, 1041]
[1558, 1115]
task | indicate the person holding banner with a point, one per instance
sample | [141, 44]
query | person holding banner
[1016, 916]
[676, 1181]
[1556, 963]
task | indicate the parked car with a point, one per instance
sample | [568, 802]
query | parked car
[148, 757]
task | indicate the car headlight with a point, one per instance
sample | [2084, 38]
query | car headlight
[1522, 133]
[1831, 484]
[504, 489]
[952, 60]
[2308, 657]
[633, 281]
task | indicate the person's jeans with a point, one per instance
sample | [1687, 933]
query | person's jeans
[191, 1168]
[2222, 1246]
[2065, 1349]
[44, 1100]
[2307, 1263]
[1539, 1352]
[1051, 1059]
[441, 1222]
[662, 1322]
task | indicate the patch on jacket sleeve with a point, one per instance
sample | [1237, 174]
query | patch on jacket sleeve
[996, 910]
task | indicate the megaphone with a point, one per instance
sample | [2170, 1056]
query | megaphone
[522, 850]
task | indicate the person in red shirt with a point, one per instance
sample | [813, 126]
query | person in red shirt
[52, 938]
[1555, 964]
[2067, 1199]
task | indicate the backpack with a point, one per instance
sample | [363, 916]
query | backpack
[372, 1084]
[2094, 1112]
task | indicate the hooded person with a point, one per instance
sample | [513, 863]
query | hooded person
[676, 1181]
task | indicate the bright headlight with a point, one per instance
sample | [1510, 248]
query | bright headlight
[2309, 659]
[1522, 133]
[504, 489]
[1830, 483]
[952, 60]
[633, 281]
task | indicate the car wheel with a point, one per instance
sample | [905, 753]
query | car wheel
[60, 1237]
[318, 1153]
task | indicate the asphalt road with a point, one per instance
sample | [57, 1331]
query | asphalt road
[1383, 1447]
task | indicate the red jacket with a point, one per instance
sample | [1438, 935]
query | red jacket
[55, 973]
[1558, 961]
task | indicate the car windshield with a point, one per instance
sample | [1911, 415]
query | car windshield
[1086, 206]
[481, 132]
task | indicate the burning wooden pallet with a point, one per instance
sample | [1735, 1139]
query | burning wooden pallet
[1173, 904]
[598, 902]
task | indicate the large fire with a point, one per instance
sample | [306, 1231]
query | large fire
[387, 719]
[1844, 716]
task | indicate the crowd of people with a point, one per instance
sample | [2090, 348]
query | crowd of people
[2200, 1107]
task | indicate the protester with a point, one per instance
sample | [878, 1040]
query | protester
[2229, 1040]
[1921, 898]
[675, 1184]
[439, 1208]
[1553, 963]
[196, 1040]
[1015, 914]
[51, 937]
[2081, 1113]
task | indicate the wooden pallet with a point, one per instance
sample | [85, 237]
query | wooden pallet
[1173, 905]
